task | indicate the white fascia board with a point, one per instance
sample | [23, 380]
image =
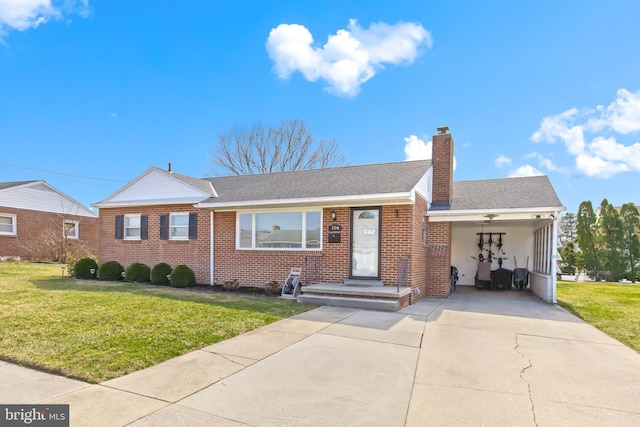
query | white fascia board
[362, 200]
[481, 214]
[133, 203]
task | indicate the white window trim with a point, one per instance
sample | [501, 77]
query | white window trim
[76, 225]
[253, 227]
[124, 226]
[186, 236]
[14, 223]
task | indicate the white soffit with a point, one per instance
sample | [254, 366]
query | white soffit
[492, 215]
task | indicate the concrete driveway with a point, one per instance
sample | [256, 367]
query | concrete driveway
[477, 358]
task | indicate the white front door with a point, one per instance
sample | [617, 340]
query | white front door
[365, 243]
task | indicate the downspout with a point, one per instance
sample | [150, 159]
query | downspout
[554, 259]
[211, 251]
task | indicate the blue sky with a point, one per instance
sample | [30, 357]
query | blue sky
[105, 89]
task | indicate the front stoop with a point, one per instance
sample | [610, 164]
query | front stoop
[383, 298]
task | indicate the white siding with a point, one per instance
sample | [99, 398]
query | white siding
[423, 187]
[41, 197]
[157, 186]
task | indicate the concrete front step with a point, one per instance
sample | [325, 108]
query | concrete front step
[351, 302]
[363, 282]
[388, 298]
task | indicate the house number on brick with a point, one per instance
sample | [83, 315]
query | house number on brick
[335, 228]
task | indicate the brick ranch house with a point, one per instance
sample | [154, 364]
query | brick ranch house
[38, 221]
[375, 224]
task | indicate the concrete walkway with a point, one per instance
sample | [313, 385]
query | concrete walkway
[477, 358]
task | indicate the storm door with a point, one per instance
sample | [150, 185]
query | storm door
[365, 243]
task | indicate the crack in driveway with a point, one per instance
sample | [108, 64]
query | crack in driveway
[522, 372]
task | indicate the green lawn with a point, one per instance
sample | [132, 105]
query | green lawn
[94, 331]
[613, 308]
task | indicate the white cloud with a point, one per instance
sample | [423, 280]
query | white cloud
[526, 170]
[501, 161]
[21, 15]
[114, 115]
[348, 58]
[622, 115]
[546, 163]
[601, 156]
[417, 149]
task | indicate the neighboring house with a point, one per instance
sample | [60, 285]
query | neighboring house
[40, 223]
[381, 224]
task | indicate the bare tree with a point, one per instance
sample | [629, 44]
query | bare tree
[258, 150]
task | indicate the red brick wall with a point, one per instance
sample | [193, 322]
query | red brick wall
[401, 236]
[32, 225]
[193, 253]
[442, 161]
[438, 259]
[419, 251]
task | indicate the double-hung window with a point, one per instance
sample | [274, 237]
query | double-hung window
[70, 229]
[132, 227]
[292, 230]
[8, 224]
[179, 226]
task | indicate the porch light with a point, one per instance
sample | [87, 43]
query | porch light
[334, 216]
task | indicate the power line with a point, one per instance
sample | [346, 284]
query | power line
[61, 173]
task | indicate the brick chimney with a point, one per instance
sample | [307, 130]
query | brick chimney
[442, 163]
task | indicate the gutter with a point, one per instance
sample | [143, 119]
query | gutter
[400, 198]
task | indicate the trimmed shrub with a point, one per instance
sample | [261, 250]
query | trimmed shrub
[231, 285]
[137, 272]
[82, 268]
[182, 276]
[110, 270]
[159, 274]
[273, 288]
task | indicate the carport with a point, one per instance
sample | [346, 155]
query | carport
[505, 221]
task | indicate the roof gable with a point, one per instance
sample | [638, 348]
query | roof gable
[40, 196]
[159, 187]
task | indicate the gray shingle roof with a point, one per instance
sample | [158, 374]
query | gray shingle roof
[4, 185]
[400, 177]
[199, 183]
[506, 193]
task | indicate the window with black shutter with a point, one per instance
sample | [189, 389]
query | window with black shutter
[119, 226]
[144, 227]
[164, 225]
[193, 225]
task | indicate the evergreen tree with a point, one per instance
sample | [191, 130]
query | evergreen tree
[610, 239]
[586, 237]
[567, 226]
[630, 219]
[569, 258]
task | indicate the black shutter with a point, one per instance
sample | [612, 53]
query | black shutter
[193, 225]
[164, 224]
[119, 226]
[144, 227]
